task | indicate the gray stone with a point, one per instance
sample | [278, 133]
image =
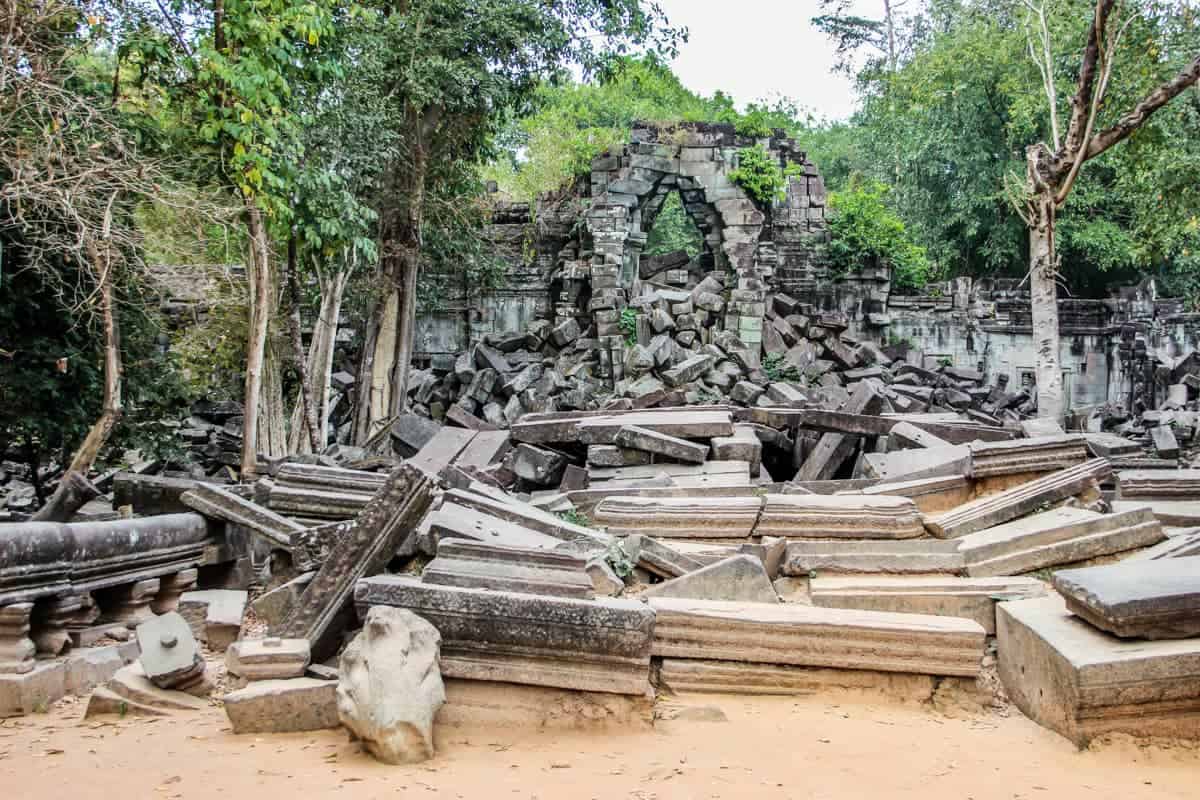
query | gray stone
[687, 370]
[605, 581]
[169, 655]
[1157, 599]
[479, 565]
[268, 659]
[658, 557]
[273, 607]
[215, 615]
[634, 437]
[1165, 442]
[536, 464]
[389, 685]
[737, 578]
[283, 706]
[592, 645]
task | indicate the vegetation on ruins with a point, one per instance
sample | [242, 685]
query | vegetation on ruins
[327, 159]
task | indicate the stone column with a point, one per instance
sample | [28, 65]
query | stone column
[131, 603]
[16, 648]
[81, 622]
[171, 587]
[50, 619]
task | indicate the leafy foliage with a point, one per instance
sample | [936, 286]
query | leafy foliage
[673, 230]
[758, 175]
[628, 324]
[777, 368]
[865, 232]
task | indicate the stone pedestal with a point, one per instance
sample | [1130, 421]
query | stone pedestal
[16, 648]
[170, 589]
[50, 619]
[129, 605]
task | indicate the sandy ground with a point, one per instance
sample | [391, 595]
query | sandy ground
[809, 747]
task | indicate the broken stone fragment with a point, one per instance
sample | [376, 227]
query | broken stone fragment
[634, 437]
[169, 654]
[737, 578]
[283, 706]
[267, 659]
[390, 687]
[536, 464]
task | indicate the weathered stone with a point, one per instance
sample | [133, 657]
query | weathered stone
[475, 565]
[839, 517]
[738, 677]
[605, 581]
[658, 557]
[901, 557]
[390, 687]
[741, 578]
[634, 437]
[999, 508]
[1165, 443]
[386, 527]
[273, 607]
[214, 615]
[33, 689]
[686, 371]
[510, 509]
[1144, 599]
[1058, 536]
[593, 645]
[169, 654]
[834, 448]
[908, 465]
[906, 436]
[710, 474]
[1083, 683]
[411, 432]
[440, 451]
[536, 464]
[969, 598]
[680, 518]
[149, 495]
[1158, 483]
[215, 502]
[609, 455]
[820, 637]
[268, 659]
[283, 706]
[454, 521]
[1043, 454]
[744, 445]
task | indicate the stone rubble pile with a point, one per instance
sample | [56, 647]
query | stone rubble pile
[629, 552]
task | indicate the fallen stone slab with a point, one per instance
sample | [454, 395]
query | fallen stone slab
[792, 516]
[214, 615]
[1040, 454]
[478, 565]
[390, 687]
[817, 637]
[660, 558]
[485, 449]
[744, 445]
[33, 690]
[1109, 445]
[931, 495]
[634, 437]
[896, 557]
[834, 448]
[1176, 513]
[1083, 683]
[969, 598]
[951, 428]
[130, 685]
[685, 675]
[283, 706]
[386, 527]
[1157, 483]
[1165, 443]
[1019, 500]
[169, 654]
[609, 455]
[272, 607]
[741, 578]
[151, 495]
[1157, 599]
[586, 500]
[329, 479]
[680, 518]
[511, 509]
[271, 658]
[217, 503]
[1056, 537]
[309, 503]
[1174, 546]
[683, 423]
[910, 465]
[453, 521]
[598, 645]
[1044, 426]
[710, 474]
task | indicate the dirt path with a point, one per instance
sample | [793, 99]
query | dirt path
[809, 747]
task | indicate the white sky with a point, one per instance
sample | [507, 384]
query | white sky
[756, 49]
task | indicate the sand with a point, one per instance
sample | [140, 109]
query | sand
[767, 747]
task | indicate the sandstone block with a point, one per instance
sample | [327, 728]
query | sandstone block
[740, 578]
[1157, 599]
[283, 706]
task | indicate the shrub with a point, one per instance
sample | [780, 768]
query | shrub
[759, 175]
[865, 231]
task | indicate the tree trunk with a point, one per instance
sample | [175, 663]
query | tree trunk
[308, 413]
[320, 361]
[256, 343]
[74, 489]
[1044, 296]
[409, 258]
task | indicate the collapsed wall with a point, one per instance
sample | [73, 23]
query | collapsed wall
[580, 255]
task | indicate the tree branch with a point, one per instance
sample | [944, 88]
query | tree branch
[1081, 103]
[1152, 102]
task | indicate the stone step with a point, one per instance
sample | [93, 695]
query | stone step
[969, 598]
[999, 508]
[600, 645]
[680, 518]
[476, 565]
[839, 517]
[899, 557]
[816, 637]
[1058, 536]
[1145, 599]
[1083, 683]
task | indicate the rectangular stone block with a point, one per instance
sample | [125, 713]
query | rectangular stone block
[477, 565]
[817, 637]
[1082, 682]
[797, 516]
[902, 557]
[635, 437]
[1157, 599]
[598, 645]
[680, 518]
